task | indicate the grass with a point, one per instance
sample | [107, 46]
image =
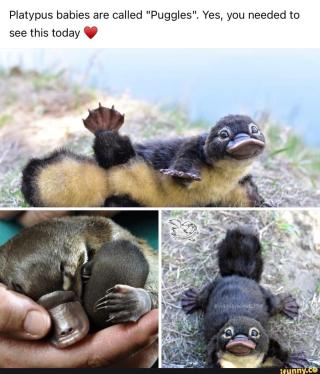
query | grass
[318, 288]
[289, 145]
[287, 174]
[30, 100]
[4, 119]
[291, 265]
[47, 80]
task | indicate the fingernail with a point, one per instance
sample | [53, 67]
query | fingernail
[36, 323]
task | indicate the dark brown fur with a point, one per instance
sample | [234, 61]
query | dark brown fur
[185, 161]
[85, 259]
[236, 302]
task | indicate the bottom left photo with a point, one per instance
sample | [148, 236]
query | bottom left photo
[79, 288]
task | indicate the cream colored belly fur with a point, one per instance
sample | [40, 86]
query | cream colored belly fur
[152, 188]
[73, 183]
[230, 361]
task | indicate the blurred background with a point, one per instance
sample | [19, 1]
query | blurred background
[45, 93]
[209, 83]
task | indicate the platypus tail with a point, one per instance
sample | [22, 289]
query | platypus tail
[239, 253]
[64, 179]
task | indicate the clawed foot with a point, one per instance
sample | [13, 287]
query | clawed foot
[181, 174]
[123, 303]
[103, 119]
[297, 360]
[189, 300]
[290, 308]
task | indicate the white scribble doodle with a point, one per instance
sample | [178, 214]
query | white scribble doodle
[183, 230]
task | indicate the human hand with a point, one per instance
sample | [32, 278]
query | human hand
[124, 345]
[29, 218]
[20, 317]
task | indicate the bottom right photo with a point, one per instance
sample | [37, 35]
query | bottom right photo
[240, 289]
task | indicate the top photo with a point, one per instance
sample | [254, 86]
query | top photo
[159, 128]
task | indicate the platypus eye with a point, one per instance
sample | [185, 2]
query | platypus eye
[228, 333]
[254, 333]
[224, 134]
[254, 129]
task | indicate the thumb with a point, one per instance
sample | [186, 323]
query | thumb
[20, 317]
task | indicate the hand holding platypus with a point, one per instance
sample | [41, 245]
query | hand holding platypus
[88, 272]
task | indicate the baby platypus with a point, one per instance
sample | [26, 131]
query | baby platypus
[210, 169]
[237, 308]
[88, 272]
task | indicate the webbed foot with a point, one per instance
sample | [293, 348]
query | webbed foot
[123, 303]
[297, 360]
[290, 308]
[103, 119]
[189, 301]
[181, 174]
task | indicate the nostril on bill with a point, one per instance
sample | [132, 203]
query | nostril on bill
[70, 322]
[67, 331]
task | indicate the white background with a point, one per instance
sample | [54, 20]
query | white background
[180, 34]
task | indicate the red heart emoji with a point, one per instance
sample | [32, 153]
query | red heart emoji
[90, 31]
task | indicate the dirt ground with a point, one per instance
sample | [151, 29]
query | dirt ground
[39, 113]
[291, 251]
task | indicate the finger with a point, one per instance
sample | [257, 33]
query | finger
[20, 317]
[33, 217]
[104, 348]
[146, 358]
